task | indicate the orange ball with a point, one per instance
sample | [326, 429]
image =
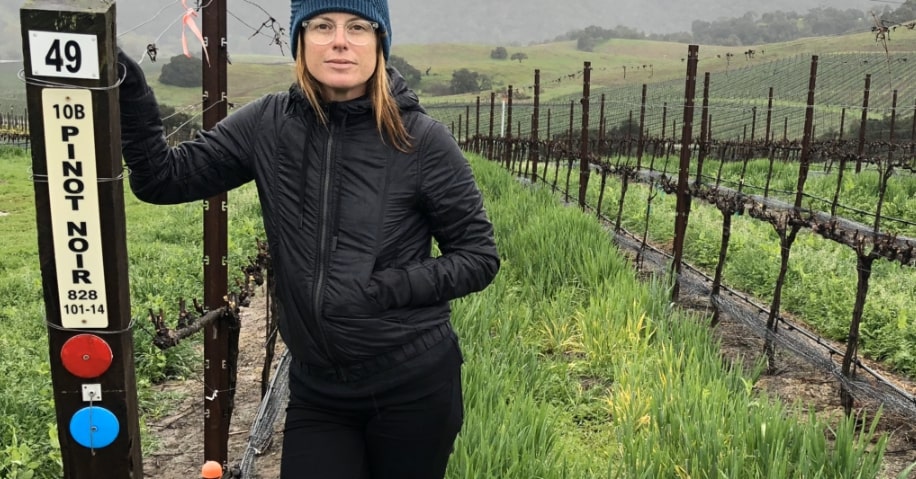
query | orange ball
[211, 470]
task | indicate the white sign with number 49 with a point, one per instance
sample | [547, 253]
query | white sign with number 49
[66, 55]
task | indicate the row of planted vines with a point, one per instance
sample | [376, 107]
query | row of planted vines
[822, 225]
[577, 369]
[573, 367]
[14, 128]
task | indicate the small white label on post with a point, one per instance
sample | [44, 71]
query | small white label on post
[66, 55]
[73, 192]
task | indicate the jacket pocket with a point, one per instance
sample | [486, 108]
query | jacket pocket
[390, 288]
[347, 290]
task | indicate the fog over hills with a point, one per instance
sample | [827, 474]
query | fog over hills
[492, 22]
[521, 21]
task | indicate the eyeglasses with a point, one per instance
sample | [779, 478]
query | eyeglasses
[323, 32]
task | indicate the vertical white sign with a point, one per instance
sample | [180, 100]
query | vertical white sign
[74, 196]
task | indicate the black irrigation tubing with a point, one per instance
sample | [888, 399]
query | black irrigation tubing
[763, 309]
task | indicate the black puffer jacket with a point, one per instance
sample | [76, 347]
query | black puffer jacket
[349, 220]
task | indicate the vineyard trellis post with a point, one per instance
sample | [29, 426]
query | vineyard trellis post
[913, 129]
[507, 144]
[682, 207]
[452, 128]
[705, 120]
[71, 84]
[477, 118]
[864, 124]
[584, 172]
[807, 137]
[535, 124]
[753, 123]
[642, 127]
[886, 167]
[492, 122]
[842, 131]
[601, 123]
[548, 137]
[467, 125]
[664, 120]
[220, 338]
[569, 148]
[769, 121]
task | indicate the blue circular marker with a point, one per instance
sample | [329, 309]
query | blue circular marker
[94, 427]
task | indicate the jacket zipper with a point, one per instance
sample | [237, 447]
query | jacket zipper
[323, 219]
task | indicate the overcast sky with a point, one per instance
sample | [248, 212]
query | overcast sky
[492, 22]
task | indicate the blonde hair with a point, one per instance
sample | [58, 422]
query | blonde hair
[387, 114]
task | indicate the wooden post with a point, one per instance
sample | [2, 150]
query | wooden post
[863, 124]
[808, 136]
[467, 125]
[767, 138]
[492, 110]
[535, 126]
[71, 84]
[703, 146]
[508, 139]
[583, 142]
[642, 128]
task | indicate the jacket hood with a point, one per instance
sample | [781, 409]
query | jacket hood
[406, 99]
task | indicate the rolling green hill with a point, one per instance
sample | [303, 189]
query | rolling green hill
[740, 82]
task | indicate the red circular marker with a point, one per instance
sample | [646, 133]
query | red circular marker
[86, 356]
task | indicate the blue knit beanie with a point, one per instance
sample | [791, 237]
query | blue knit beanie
[372, 10]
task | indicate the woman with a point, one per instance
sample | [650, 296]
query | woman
[355, 181]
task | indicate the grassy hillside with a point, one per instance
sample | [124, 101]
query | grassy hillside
[739, 88]
[619, 68]
[557, 60]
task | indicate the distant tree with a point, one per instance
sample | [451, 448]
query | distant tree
[876, 129]
[589, 37]
[780, 26]
[437, 89]
[466, 81]
[519, 56]
[677, 37]
[499, 53]
[411, 74]
[625, 128]
[182, 71]
[904, 13]
[586, 44]
[623, 31]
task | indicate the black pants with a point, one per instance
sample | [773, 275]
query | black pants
[397, 424]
